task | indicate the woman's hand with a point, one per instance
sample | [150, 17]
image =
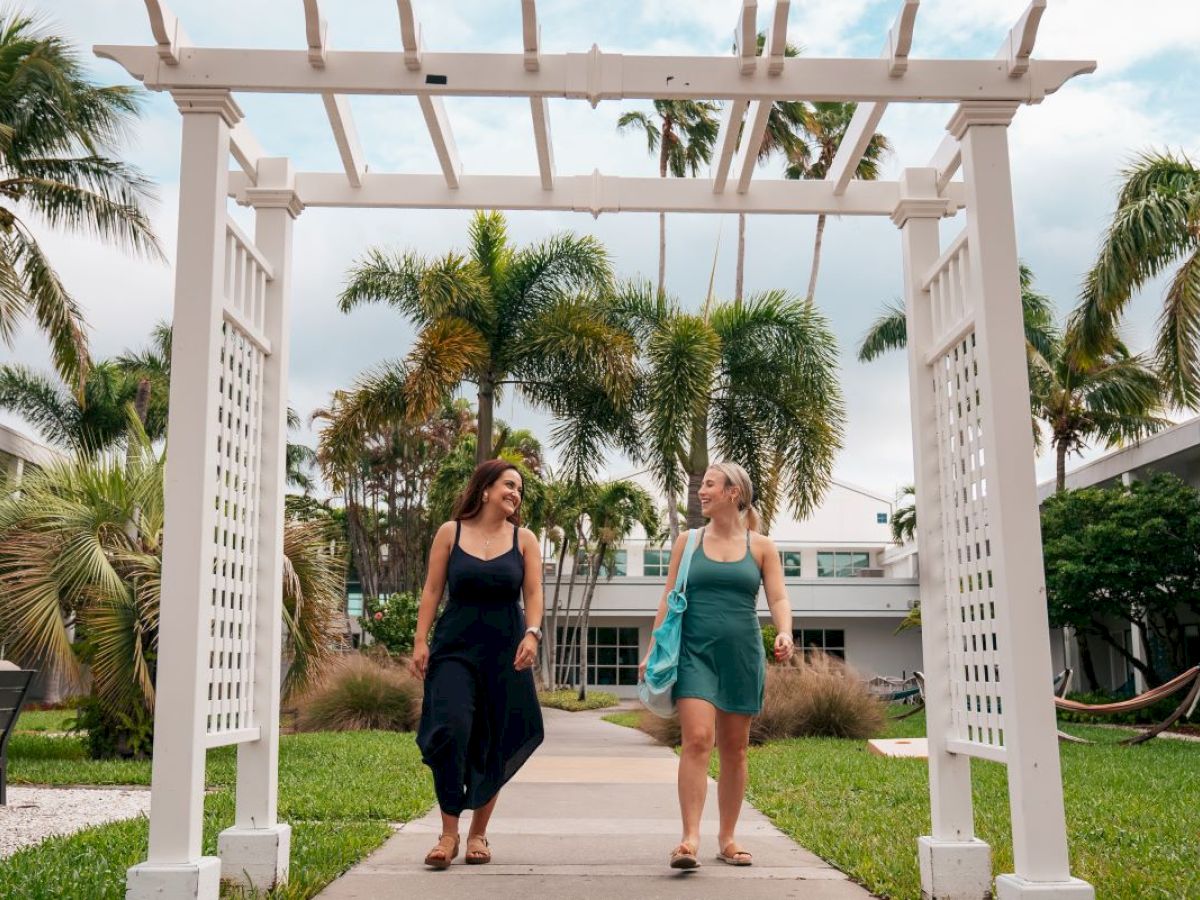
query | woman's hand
[526, 653]
[419, 662]
[642, 667]
[783, 647]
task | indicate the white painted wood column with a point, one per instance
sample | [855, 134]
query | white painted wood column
[954, 863]
[175, 867]
[255, 851]
[1023, 652]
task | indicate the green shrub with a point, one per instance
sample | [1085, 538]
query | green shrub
[769, 633]
[113, 734]
[568, 700]
[813, 695]
[392, 621]
[360, 694]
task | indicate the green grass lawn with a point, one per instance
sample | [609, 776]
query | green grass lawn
[568, 700]
[1133, 813]
[338, 791]
[46, 720]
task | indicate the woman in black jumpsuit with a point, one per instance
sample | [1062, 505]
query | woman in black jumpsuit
[480, 720]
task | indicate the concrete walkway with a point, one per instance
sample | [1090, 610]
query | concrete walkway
[594, 815]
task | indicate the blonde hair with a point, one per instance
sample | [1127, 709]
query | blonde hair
[736, 476]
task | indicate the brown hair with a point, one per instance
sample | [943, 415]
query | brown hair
[470, 501]
[736, 476]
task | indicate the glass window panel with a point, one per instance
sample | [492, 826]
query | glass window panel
[835, 637]
[628, 656]
[881, 518]
[826, 565]
[791, 563]
[860, 561]
[628, 636]
[627, 676]
[354, 604]
[656, 562]
[591, 655]
[603, 636]
[606, 656]
[606, 676]
[836, 651]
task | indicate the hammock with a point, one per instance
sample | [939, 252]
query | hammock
[1061, 680]
[1141, 701]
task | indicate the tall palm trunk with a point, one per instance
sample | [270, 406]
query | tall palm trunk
[564, 664]
[550, 635]
[483, 443]
[1060, 467]
[698, 460]
[586, 615]
[741, 259]
[816, 263]
[673, 515]
[662, 216]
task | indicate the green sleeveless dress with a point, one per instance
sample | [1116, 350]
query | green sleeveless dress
[721, 656]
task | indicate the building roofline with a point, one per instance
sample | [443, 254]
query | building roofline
[19, 444]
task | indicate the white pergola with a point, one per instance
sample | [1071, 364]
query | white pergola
[985, 635]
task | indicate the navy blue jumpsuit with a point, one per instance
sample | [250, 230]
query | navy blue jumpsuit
[480, 719]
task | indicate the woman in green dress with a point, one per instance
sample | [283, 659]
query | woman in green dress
[722, 667]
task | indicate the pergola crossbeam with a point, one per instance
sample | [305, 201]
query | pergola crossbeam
[337, 106]
[167, 31]
[594, 193]
[727, 141]
[593, 76]
[531, 34]
[946, 160]
[432, 108]
[867, 116]
[410, 35]
[776, 43]
[539, 107]
[745, 38]
[747, 155]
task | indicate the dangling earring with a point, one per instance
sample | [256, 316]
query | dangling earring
[485, 498]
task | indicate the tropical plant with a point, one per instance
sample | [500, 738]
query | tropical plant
[527, 317]
[756, 382]
[56, 128]
[1078, 399]
[787, 120]
[1153, 228]
[81, 555]
[824, 129]
[299, 459]
[455, 472]
[392, 621]
[683, 133]
[612, 510]
[385, 474]
[562, 522]
[359, 694]
[904, 517]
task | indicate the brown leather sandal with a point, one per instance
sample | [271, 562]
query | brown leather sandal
[478, 852]
[445, 851]
[684, 857]
[733, 855]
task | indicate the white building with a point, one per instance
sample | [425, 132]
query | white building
[848, 583]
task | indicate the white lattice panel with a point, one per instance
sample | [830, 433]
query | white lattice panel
[235, 557]
[971, 590]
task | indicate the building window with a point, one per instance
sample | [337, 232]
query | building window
[549, 567]
[842, 564]
[354, 603]
[656, 562]
[620, 564]
[612, 655]
[831, 640]
[881, 518]
[791, 563]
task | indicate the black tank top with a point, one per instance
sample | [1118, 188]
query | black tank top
[485, 582]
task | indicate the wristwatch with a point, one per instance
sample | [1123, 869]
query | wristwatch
[535, 631]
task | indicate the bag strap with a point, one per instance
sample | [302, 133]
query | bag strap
[686, 563]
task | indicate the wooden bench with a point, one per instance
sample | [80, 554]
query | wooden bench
[14, 684]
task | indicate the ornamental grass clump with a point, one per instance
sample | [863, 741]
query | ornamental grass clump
[814, 695]
[362, 694]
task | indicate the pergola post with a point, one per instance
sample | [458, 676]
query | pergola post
[174, 866]
[955, 865]
[255, 851]
[1011, 530]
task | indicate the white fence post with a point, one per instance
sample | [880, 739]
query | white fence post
[255, 851]
[954, 863]
[1014, 554]
[174, 867]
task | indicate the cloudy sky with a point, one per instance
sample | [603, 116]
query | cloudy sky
[1067, 157]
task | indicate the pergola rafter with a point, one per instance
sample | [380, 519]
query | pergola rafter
[984, 636]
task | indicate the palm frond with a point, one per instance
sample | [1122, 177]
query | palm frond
[447, 351]
[888, 332]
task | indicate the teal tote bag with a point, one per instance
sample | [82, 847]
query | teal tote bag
[662, 667]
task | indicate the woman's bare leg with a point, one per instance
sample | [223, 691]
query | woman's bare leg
[697, 720]
[733, 737]
[481, 817]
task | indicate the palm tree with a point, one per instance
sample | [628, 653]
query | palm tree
[824, 129]
[1153, 228]
[1113, 398]
[55, 128]
[69, 559]
[566, 501]
[756, 381]
[529, 317]
[904, 519]
[787, 120]
[612, 511]
[683, 136]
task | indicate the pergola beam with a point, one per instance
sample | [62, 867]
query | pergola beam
[1016, 50]
[593, 193]
[540, 109]
[432, 108]
[867, 116]
[593, 76]
[745, 38]
[337, 106]
[410, 35]
[752, 138]
[167, 31]
[727, 141]
[775, 46]
[531, 35]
